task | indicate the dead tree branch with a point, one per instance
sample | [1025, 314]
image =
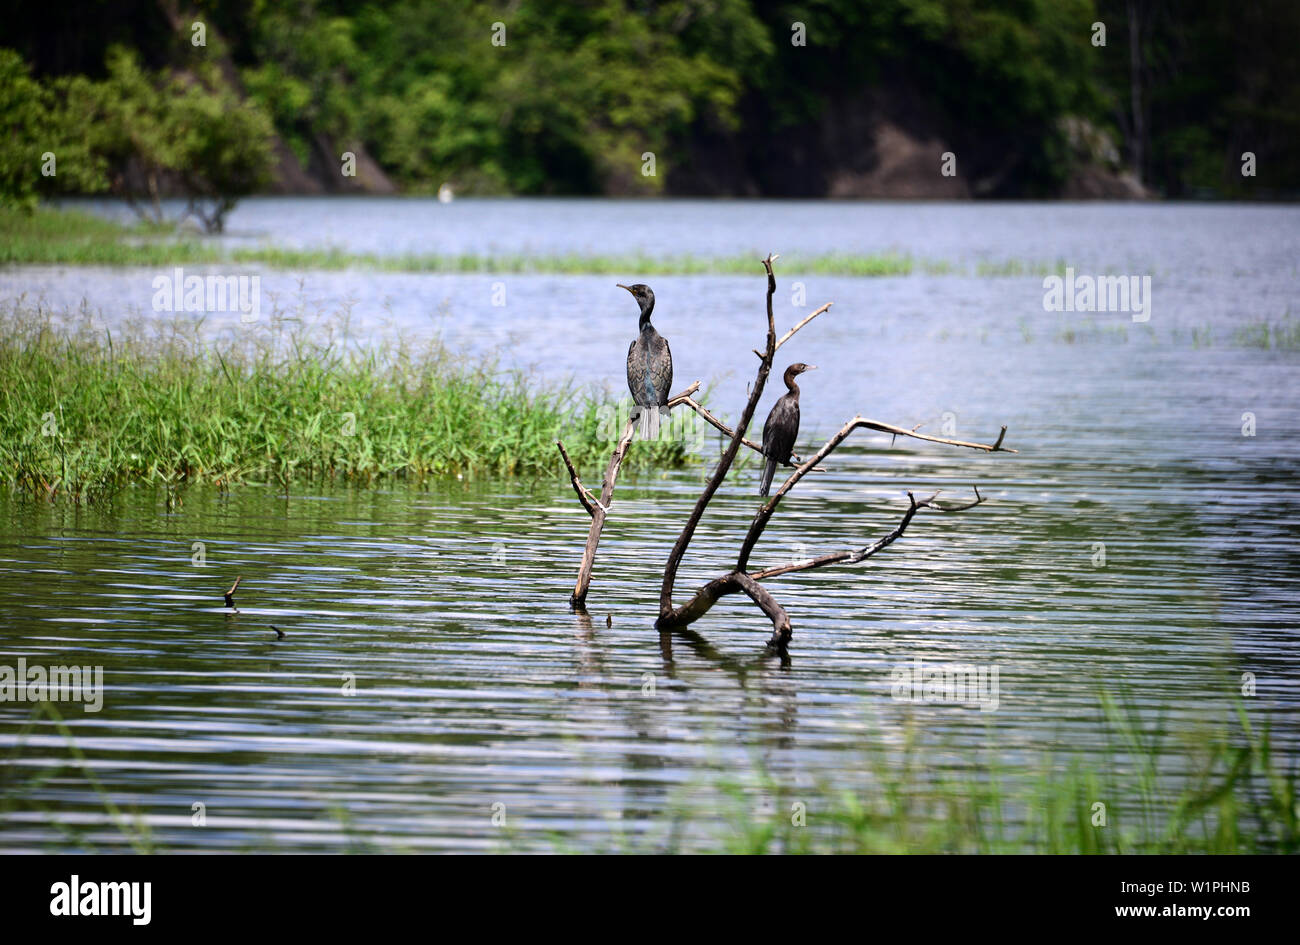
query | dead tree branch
[719, 425]
[598, 514]
[230, 594]
[684, 396]
[584, 494]
[741, 579]
[995, 447]
[728, 432]
[791, 333]
[764, 513]
[735, 581]
[598, 509]
[728, 456]
[861, 554]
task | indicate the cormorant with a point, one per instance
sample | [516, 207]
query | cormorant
[649, 365]
[782, 425]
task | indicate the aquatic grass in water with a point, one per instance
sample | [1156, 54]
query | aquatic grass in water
[69, 237]
[1016, 267]
[1280, 336]
[83, 412]
[73, 238]
[1233, 797]
[21, 790]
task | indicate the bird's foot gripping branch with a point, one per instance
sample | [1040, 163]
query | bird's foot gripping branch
[741, 578]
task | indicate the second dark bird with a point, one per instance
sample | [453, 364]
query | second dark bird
[782, 427]
[649, 365]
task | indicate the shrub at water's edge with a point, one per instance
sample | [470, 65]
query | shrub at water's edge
[84, 412]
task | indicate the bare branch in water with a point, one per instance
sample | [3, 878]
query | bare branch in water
[598, 509]
[584, 494]
[741, 579]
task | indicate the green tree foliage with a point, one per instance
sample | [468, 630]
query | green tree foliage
[1215, 80]
[45, 145]
[998, 74]
[567, 98]
[190, 128]
[137, 133]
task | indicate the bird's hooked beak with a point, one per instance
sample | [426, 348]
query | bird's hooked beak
[621, 286]
[810, 367]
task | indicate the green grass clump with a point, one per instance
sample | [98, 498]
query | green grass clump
[1016, 267]
[1281, 336]
[69, 237]
[83, 412]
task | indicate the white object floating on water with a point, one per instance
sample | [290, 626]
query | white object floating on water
[445, 194]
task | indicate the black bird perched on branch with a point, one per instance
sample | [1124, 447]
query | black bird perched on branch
[649, 365]
[782, 425]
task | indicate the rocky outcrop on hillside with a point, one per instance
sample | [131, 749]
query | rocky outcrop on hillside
[890, 143]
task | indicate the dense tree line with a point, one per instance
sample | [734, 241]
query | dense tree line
[730, 96]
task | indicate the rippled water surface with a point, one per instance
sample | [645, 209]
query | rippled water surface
[431, 668]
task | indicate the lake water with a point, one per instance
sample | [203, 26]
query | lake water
[431, 668]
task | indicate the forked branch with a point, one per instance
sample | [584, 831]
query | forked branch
[764, 513]
[741, 578]
[598, 509]
[579, 597]
[584, 494]
[727, 458]
[854, 556]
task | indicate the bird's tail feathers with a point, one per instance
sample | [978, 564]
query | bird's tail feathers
[648, 421]
[768, 472]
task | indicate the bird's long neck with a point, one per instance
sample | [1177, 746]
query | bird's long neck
[645, 315]
[790, 385]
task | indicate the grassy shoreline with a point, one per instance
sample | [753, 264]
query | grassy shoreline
[69, 237]
[85, 412]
